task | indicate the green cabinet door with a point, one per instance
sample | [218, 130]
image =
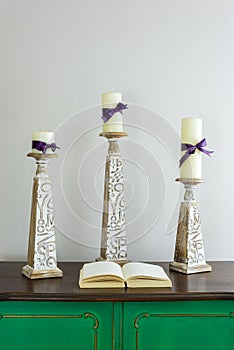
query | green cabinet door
[55, 325]
[207, 325]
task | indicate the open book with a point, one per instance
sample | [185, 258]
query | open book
[108, 274]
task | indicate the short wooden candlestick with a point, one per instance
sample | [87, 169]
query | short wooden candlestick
[42, 261]
[113, 243]
[189, 254]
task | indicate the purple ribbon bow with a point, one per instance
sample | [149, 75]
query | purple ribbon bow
[43, 146]
[107, 113]
[190, 149]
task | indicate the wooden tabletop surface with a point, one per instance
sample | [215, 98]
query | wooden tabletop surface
[215, 285]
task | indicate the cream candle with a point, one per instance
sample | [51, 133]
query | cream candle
[191, 132]
[43, 136]
[115, 123]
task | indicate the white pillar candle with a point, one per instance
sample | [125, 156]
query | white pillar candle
[43, 136]
[191, 132]
[115, 123]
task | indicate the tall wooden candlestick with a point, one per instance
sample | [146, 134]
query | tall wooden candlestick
[41, 261]
[189, 248]
[113, 243]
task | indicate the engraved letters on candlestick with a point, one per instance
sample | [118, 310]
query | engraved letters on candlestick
[113, 244]
[42, 261]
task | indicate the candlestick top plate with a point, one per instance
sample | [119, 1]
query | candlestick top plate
[114, 135]
[39, 156]
[187, 181]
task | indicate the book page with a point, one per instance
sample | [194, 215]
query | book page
[101, 268]
[137, 269]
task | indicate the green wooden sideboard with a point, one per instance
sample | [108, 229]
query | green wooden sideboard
[197, 313]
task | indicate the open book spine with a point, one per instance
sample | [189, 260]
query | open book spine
[113, 245]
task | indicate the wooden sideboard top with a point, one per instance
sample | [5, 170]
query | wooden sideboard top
[215, 285]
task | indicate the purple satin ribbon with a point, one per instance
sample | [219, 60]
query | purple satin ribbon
[43, 146]
[190, 149]
[107, 113]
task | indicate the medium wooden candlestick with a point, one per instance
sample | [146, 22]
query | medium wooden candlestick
[41, 261]
[113, 243]
[189, 249]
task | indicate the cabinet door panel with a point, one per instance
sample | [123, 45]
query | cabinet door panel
[46, 325]
[178, 325]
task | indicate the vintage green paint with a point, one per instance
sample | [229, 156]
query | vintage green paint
[207, 325]
[174, 325]
[55, 325]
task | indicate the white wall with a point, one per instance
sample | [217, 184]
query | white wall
[169, 59]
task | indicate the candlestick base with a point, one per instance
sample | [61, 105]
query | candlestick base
[41, 260]
[120, 262]
[189, 254]
[184, 268]
[31, 273]
[113, 243]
